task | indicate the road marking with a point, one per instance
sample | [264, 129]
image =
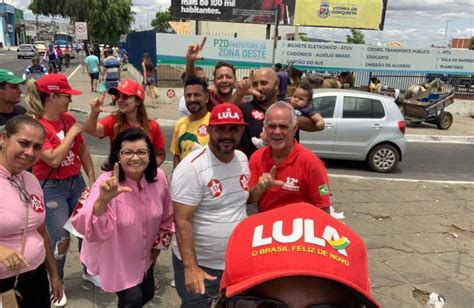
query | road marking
[72, 74]
[358, 177]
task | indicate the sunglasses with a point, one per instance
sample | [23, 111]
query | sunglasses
[247, 301]
[20, 186]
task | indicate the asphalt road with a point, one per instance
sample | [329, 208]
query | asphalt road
[424, 161]
[9, 60]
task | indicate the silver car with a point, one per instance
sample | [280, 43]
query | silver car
[359, 126]
[26, 51]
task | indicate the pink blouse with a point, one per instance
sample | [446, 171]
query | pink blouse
[117, 245]
[13, 218]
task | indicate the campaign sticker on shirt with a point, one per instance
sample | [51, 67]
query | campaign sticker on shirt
[244, 182]
[36, 203]
[202, 130]
[215, 186]
[257, 114]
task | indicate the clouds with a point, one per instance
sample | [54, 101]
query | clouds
[416, 23]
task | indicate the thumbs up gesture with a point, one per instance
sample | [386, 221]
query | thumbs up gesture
[267, 180]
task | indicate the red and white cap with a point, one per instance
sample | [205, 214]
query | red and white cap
[226, 113]
[55, 83]
[295, 240]
[129, 87]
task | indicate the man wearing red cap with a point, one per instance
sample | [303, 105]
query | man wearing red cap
[285, 171]
[209, 191]
[295, 256]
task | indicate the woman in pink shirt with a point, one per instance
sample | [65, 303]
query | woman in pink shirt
[127, 219]
[22, 140]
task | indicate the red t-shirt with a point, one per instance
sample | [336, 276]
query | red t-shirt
[303, 173]
[213, 101]
[155, 134]
[55, 133]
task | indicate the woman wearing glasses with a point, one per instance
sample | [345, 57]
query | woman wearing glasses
[22, 204]
[64, 153]
[128, 218]
[131, 112]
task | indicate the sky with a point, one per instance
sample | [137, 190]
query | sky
[415, 23]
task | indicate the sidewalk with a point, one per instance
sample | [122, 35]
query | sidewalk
[462, 130]
[419, 235]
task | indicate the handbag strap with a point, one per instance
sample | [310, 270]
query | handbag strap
[23, 238]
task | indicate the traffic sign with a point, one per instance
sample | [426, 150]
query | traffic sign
[81, 30]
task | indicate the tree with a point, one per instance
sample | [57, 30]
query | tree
[472, 43]
[356, 37]
[106, 19]
[161, 21]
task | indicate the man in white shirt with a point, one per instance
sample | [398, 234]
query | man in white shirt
[209, 191]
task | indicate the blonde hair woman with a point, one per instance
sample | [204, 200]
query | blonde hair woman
[64, 153]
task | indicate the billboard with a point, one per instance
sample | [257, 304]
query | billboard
[367, 14]
[171, 50]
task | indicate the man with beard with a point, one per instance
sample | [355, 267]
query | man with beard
[264, 86]
[191, 131]
[209, 191]
[224, 76]
[10, 96]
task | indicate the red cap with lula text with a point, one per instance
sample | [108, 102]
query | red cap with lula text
[226, 113]
[55, 83]
[295, 240]
[129, 87]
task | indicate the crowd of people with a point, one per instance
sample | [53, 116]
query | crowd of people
[232, 157]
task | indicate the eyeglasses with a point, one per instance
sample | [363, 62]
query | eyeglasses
[247, 301]
[141, 153]
[124, 96]
[20, 186]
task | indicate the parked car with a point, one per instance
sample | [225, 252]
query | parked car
[41, 47]
[26, 51]
[359, 126]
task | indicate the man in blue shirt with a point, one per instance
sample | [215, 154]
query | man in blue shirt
[92, 62]
[111, 71]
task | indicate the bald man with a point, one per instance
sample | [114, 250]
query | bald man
[264, 87]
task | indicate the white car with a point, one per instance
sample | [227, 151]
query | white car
[26, 51]
[358, 126]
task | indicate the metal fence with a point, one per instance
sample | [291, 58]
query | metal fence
[463, 86]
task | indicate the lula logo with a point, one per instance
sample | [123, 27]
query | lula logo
[228, 114]
[301, 229]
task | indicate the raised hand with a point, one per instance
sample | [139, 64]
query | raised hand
[267, 180]
[244, 87]
[194, 50]
[97, 104]
[111, 187]
[76, 129]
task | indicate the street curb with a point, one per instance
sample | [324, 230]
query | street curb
[410, 138]
[440, 139]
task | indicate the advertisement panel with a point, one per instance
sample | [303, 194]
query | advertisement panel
[367, 14]
[171, 49]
